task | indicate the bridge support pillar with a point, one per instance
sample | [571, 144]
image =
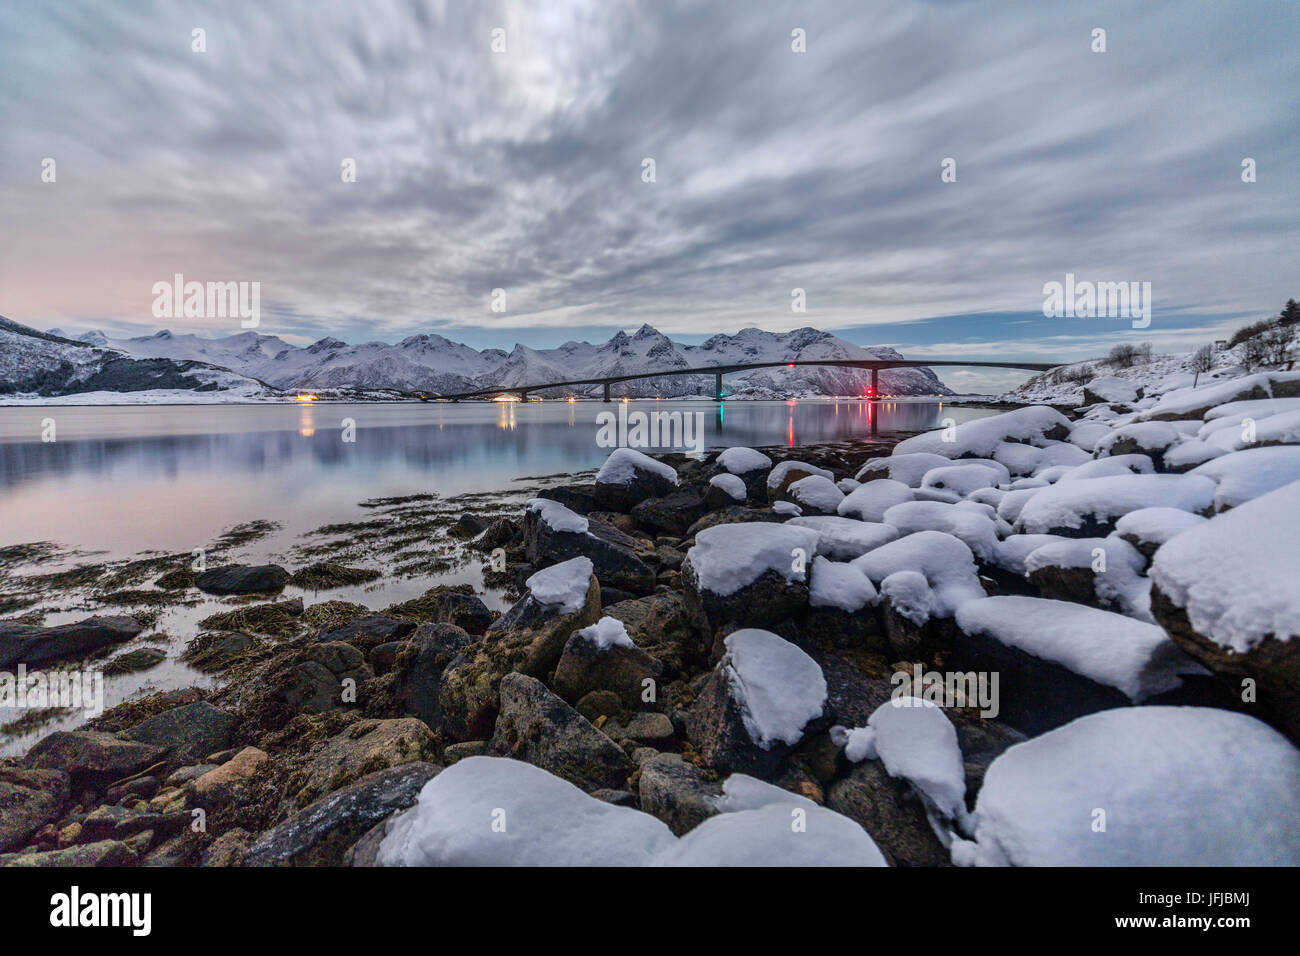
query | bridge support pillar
[875, 384]
[607, 391]
[717, 386]
[523, 396]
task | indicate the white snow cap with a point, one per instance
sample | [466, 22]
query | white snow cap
[556, 516]
[564, 584]
[1134, 464]
[777, 686]
[962, 479]
[910, 596]
[917, 742]
[870, 500]
[816, 492]
[908, 469]
[1069, 504]
[740, 460]
[1149, 436]
[731, 485]
[974, 527]
[944, 561]
[1244, 475]
[841, 586]
[768, 836]
[1156, 525]
[1179, 786]
[547, 822]
[1118, 584]
[787, 508]
[980, 438]
[1136, 658]
[621, 466]
[1235, 575]
[1111, 388]
[607, 632]
[843, 539]
[728, 557]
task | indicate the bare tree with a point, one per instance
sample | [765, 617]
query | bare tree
[1202, 361]
[1254, 352]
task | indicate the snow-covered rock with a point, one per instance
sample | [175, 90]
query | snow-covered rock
[1146, 438]
[562, 585]
[1242, 476]
[961, 479]
[1084, 508]
[739, 460]
[748, 573]
[944, 561]
[730, 489]
[1134, 464]
[493, 811]
[1173, 786]
[870, 500]
[628, 477]
[977, 530]
[1109, 388]
[606, 633]
[815, 495]
[981, 437]
[1148, 528]
[841, 586]
[1106, 572]
[908, 469]
[556, 516]
[787, 473]
[843, 539]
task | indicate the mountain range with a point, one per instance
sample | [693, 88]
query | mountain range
[251, 364]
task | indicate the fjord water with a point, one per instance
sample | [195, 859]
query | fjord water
[127, 479]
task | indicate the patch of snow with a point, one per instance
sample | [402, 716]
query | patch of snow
[841, 586]
[740, 460]
[564, 584]
[816, 492]
[911, 596]
[557, 517]
[732, 486]
[961, 479]
[1244, 475]
[1014, 549]
[945, 562]
[1134, 464]
[1156, 525]
[778, 474]
[870, 501]
[778, 687]
[908, 469]
[1110, 388]
[977, 530]
[767, 837]
[843, 539]
[621, 466]
[1120, 587]
[981, 437]
[788, 508]
[728, 557]
[1070, 503]
[1148, 436]
[606, 633]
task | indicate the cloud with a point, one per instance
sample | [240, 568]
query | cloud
[522, 170]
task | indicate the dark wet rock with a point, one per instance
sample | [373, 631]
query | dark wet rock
[414, 674]
[91, 758]
[188, 733]
[678, 793]
[647, 727]
[447, 604]
[139, 659]
[103, 853]
[320, 833]
[668, 559]
[620, 798]
[909, 639]
[734, 514]
[364, 747]
[243, 579]
[599, 703]
[116, 822]
[614, 555]
[528, 638]
[584, 667]
[31, 644]
[467, 526]
[313, 679]
[538, 727]
[368, 632]
[623, 496]
[470, 748]
[499, 534]
[862, 628]
[29, 799]
[890, 811]
[142, 787]
[577, 498]
[765, 602]
[662, 626]
[673, 513]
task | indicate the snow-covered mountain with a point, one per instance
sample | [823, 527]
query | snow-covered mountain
[432, 363]
[42, 364]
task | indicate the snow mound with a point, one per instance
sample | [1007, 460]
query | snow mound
[1190, 453]
[1013, 550]
[1179, 786]
[556, 516]
[740, 792]
[1110, 388]
[1118, 584]
[621, 466]
[1071, 504]
[1148, 436]
[910, 596]
[1192, 402]
[843, 539]
[1014, 502]
[778, 687]
[977, 530]
[816, 492]
[493, 811]
[908, 469]
[564, 584]
[961, 479]
[1242, 476]
[787, 508]
[1085, 434]
[916, 742]
[841, 586]
[1111, 466]
[740, 460]
[777, 475]
[944, 561]
[1155, 525]
[980, 438]
[870, 501]
[1235, 575]
[1135, 658]
[789, 834]
[728, 557]
[606, 633]
[1281, 429]
[732, 486]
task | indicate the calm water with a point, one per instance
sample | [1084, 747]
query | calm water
[131, 481]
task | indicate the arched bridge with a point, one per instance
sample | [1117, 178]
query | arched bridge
[717, 371]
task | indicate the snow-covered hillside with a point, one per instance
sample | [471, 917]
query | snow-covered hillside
[39, 366]
[436, 364]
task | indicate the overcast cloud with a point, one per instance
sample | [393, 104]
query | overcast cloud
[775, 170]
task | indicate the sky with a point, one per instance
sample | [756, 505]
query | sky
[523, 168]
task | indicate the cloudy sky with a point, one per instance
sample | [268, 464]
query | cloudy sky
[774, 170]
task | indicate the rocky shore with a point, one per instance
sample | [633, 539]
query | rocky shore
[705, 659]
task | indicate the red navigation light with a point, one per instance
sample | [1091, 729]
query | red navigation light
[869, 391]
[790, 365]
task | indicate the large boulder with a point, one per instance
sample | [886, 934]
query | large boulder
[629, 477]
[243, 579]
[671, 514]
[603, 657]
[538, 727]
[748, 574]
[320, 833]
[412, 678]
[314, 679]
[187, 733]
[30, 644]
[528, 638]
[92, 758]
[662, 625]
[553, 534]
[367, 633]
[29, 799]
[447, 604]
[888, 809]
